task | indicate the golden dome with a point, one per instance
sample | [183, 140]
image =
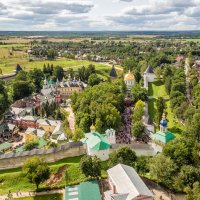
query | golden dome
[92, 128]
[129, 76]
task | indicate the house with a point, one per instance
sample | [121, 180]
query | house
[66, 88]
[48, 125]
[96, 144]
[26, 122]
[48, 87]
[6, 131]
[32, 134]
[58, 134]
[110, 136]
[126, 184]
[84, 191]
[5, 147]
[129, 80]
[163, 136]
[149, 76]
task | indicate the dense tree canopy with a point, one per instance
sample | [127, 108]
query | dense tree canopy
[124, 155]
[101, 105]
[90, 167]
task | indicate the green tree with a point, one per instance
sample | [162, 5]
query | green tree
[162, 169]
[58, 73]
[138, 93]
[90, 167]
[22, 89]
[180, 150]
[138, 130]
[141, 165]
[51, 54]
[168, 83]
[138, 111]
[93, 80]
[37, 77]
[78, 134]
[36, 170]
[31, 145]
[161, 106]
[124, 155]
[193, 193]
[187, 176]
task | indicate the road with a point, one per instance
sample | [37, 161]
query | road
[71, 118]
[187, 67]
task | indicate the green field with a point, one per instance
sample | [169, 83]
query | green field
[8, 63]
[156, 90]
[13, 179]
[43, 197]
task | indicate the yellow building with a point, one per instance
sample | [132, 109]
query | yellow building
[32, 134]
[66, 88]
[48, 125]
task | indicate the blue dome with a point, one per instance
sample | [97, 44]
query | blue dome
[163, 122]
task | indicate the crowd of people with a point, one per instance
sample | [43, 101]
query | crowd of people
[124, 134]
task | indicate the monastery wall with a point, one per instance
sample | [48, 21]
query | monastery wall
[13, 160]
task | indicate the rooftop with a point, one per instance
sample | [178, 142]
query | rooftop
[96, 141]
[128, 182]
[5, 146]
[84, 191]
[149, 70]
[163, 137]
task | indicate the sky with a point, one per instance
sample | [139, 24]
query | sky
[99, 15]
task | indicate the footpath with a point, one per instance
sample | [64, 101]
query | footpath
[31, 194]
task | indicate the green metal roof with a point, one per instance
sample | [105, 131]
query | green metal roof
[84, 191]
[51, 81]
[163, 137]
[41, 143]
[5, 146]
[96, 141]
[20, 149]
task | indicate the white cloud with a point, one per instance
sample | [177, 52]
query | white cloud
[99, 15]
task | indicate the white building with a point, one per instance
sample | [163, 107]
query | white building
[149, 76]
[110, 136]
[126, 184]
[48, 87]
[97, 144]
[129, 80]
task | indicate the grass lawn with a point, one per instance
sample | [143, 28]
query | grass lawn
[9, 62]
[157, 89]
[44, 197]
[13, 179]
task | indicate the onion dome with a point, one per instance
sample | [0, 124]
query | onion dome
[163, 122]
[129, 76]
[92, 128]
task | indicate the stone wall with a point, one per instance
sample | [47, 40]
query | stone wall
[13, 160]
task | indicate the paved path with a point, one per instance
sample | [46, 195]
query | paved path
[187, 80]
[28, 194]
[71, 118]
[110, 65]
